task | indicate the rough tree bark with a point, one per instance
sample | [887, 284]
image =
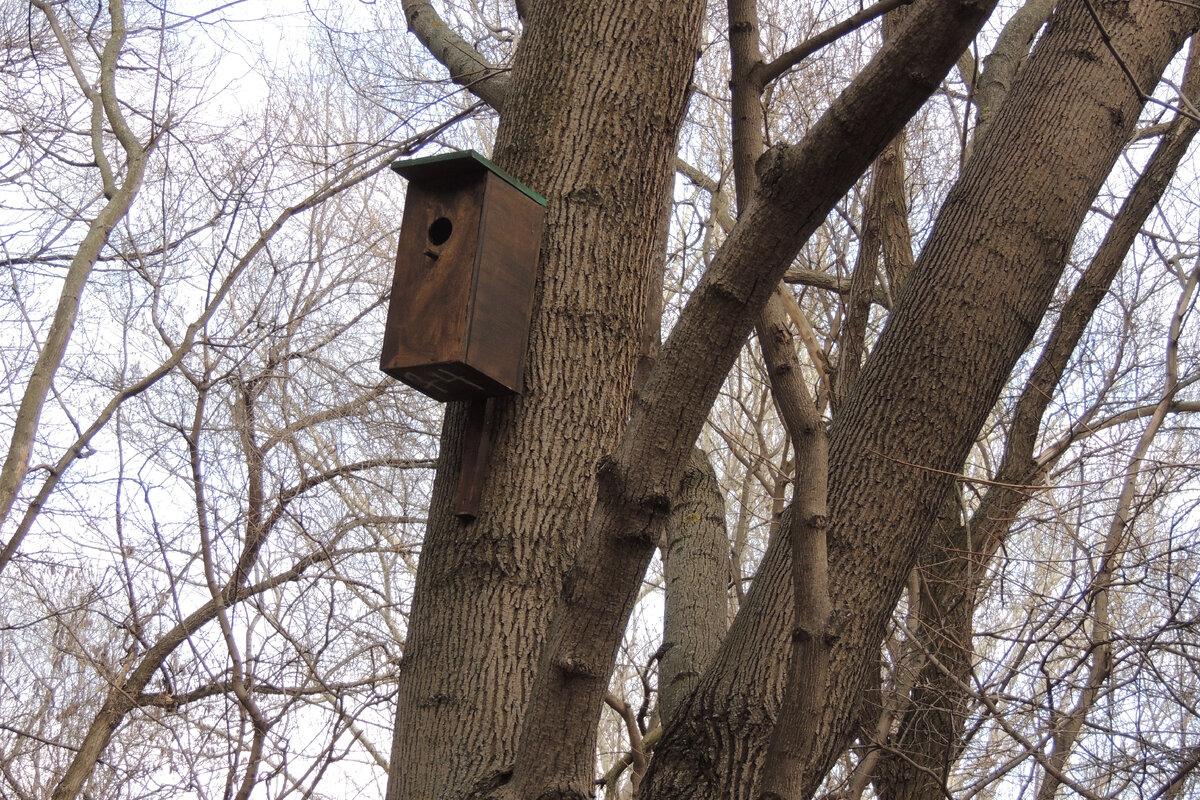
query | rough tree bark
[590, 117]
[696, 567]
[958, 554]
[971, 305]
[1002, 64]
[967, 311]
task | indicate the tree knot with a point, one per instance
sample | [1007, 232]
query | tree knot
[574, 665]
[770, 164]
[801, 633]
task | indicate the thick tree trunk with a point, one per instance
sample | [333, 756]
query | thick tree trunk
[967, 312]
[1001, 66]
[956, 560]
[590, 120]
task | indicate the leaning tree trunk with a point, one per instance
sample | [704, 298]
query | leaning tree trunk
[485, 589]
[929, 735]
[966, 313]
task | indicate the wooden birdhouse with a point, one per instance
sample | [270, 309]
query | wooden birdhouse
[462, 296]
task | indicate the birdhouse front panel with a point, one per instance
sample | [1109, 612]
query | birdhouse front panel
[462, 294]
[428, 318]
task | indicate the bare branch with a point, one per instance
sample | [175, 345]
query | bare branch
[765, 73]
[468, 68]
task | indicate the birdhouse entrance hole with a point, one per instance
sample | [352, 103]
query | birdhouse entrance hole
[440, 230]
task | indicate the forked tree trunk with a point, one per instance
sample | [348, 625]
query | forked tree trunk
[596, 95]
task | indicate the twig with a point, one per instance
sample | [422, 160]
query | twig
[1187, 110]
[765, 73]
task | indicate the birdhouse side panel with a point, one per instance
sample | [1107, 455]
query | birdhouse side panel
[430, 307]
[510, 238]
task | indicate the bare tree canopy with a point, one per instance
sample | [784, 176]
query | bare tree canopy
[855, 453]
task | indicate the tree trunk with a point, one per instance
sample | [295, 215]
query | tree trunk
[485, 591]
[696, 563]
[965, 315]
[956, 560]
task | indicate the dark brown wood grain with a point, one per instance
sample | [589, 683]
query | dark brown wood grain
[462, 294]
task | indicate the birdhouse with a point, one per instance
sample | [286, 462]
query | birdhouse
[462, 296]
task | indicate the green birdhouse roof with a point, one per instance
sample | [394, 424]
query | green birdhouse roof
[431, 168]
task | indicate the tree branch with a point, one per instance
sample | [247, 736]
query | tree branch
[358, 171]
[33, 399]
[765, 73]
[468, 68]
